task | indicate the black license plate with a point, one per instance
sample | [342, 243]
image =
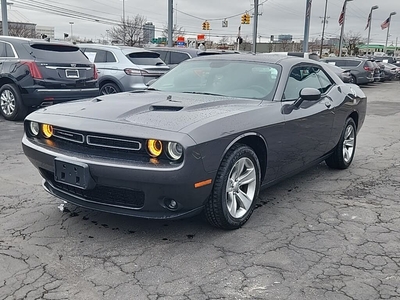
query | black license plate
[72, 173]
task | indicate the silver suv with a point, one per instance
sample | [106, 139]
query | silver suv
[123, 68]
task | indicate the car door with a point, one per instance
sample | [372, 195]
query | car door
[308, 129]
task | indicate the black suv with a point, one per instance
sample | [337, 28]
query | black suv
[36, 73]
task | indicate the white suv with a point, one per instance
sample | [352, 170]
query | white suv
[123, 68]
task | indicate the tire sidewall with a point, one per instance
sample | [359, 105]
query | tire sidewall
[109, 84]
[241, 152]
[350, 122]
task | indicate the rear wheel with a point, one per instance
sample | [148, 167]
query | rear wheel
[353, 79]
[109, 88]
[235, 190]
[343, 154]
[11, 106]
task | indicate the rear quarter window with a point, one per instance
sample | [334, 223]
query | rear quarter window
[353, 63]
[145, 58]
[56, 53]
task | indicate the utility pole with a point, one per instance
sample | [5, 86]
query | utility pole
[123, 20]
[307, 25]
[170, 21]
[323, 29]
[255, 25]
[4, 16]
[342, 19]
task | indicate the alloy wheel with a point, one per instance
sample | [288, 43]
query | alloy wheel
[7, 102]
[348, 143]
[241, 187]
[108, 89]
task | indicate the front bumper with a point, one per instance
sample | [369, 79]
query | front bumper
[125, 187]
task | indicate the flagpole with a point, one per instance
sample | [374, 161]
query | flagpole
[369, 25]
[387, 36]
[342, 29]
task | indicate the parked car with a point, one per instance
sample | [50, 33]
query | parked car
[173, 56]
[362, 69]
[36, 73]
[309, 55]
[390, 71]
[344, 74]
[379, 74]
[206, 136]
[123, 68]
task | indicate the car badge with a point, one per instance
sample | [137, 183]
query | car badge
[73, 65]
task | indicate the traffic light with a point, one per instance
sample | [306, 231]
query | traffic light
[206, 25]
[247, 18]
[244, 19]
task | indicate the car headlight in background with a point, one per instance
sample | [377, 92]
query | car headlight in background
[47, 130]
[34, 128]
[174, 150]
[154, 147]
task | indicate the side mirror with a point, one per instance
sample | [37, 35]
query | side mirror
[310, 94]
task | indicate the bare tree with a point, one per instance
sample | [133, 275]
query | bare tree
[353, 40]
[21, 30]
[129, 32]
[176, 31]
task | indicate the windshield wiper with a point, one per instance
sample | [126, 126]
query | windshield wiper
[203, 93]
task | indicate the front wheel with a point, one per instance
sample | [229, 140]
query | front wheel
[343, 154]
[235, 190]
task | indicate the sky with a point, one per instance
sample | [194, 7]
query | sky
[278, 17]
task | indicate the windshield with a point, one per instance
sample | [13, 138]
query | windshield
[241, 79]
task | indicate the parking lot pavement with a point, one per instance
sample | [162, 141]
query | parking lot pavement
[323, 234]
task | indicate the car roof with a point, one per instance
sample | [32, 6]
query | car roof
[34, 41]
[110, 47]
[193, 51]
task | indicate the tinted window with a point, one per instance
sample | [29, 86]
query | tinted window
[56, 53]
[163, 54]
[339, 63]
[110, 57]
[101, 56]
[177, 57]
[145, 58]
[9, 51]
[353, 63]
[3, 52]
[306, 77]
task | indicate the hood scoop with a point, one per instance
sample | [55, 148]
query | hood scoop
[165, 108]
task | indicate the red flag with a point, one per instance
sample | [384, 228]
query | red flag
[341, 17]
[369, 21]
[386, 23]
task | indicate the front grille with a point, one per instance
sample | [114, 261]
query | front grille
[68, 135]
[102, 194]
[116, 143]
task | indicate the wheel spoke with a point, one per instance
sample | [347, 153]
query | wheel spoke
[247, 177]
[349, 142]
[244, 200]
[232, 204]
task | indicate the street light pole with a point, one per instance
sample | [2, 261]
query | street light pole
[4, 17]
[323, 29]
[307, 25]
[123, 21]
[369, 25]
[387, 36]
[71, 23]
[255, 25]
[342, 30]
[170, 22]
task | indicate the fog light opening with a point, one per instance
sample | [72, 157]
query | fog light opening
[171, 203]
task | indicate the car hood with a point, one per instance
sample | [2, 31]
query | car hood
[154, 109]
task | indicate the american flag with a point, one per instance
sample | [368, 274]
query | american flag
[386, 23]
[369, 21]
[341, 17]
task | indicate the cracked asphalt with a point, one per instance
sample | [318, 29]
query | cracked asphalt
[322, 234]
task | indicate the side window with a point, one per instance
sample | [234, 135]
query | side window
[353, 63]
[110, 57]
[101, 56]
[3, 52]
[177, 57]
[163, 55]
[9, 51]
[305, 77]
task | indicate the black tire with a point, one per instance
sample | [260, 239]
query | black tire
[343, 154]
[109, 88]
[11, 106]
[216, 209]
[353, 79]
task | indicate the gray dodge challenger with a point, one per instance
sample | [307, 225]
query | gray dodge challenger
[205, 137]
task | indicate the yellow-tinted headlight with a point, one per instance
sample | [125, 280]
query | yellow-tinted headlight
[47, 130]
[154, 147]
